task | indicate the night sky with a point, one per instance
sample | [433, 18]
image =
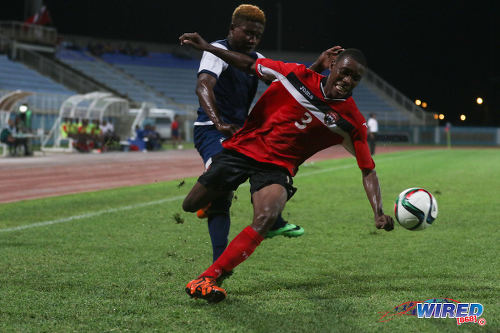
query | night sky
[445, 52]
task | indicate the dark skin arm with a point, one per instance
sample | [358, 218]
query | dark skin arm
[241, 61]
[246, 63]
[372, 189]
[206, 82]
[325, 59]
[205, 92]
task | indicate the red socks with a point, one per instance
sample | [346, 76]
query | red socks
[240, 248]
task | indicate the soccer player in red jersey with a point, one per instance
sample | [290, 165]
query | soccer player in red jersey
[301, 113]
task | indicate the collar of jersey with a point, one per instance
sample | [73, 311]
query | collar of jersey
[322, 83]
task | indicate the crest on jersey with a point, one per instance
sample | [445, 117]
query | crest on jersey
[331, 118]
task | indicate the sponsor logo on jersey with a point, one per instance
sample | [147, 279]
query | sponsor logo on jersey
[331, 118]
[306, 92]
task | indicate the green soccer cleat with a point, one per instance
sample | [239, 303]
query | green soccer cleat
[289, 230]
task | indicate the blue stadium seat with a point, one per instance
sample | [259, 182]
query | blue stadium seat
[111, 76]
[16, 75]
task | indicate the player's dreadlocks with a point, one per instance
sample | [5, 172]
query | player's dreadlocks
[249, 13]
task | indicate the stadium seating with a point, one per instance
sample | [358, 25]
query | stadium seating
[175, 77]
[15, 75]
[172, 76]
[177, 83]
[111, 76]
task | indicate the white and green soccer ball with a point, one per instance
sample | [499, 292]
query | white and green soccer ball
[415, 208]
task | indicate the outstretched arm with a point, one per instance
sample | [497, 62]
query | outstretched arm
[372, 188]
[241, 61]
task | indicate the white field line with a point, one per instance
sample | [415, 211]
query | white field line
[93, 214]
[157, 202]
[355, 165]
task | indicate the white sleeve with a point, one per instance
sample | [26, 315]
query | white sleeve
[212, 64]
[259, 55]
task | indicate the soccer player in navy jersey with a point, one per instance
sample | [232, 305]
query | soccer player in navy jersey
[301, 113]
[225, 94]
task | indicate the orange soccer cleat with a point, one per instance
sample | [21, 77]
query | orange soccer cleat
[207, 289]
[203, 212]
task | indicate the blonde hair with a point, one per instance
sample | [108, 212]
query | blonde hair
[248, 12]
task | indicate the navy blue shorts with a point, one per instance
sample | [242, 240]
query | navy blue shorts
[208, 141]
[230, 169]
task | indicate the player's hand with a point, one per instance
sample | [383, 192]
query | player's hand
[193, 39]
[325, 59]
[227, 129]
[384, 222]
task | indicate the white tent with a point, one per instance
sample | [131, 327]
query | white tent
[91, 106]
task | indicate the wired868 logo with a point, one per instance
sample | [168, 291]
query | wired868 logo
[438, 308]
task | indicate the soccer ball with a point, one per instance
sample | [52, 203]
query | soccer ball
[415, 208]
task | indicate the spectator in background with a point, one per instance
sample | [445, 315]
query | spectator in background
[20, 124]
[25, 116]
[96, 134]
[176, 138]
[98, 49]
[108, 134]
[141, 52]
[108, 48]
[156, 137]
[73, 128]
[151, 138]
[84, 139]
[95, 49]
[64, 128]
[8, 136]
[137, 142]
[372, 125]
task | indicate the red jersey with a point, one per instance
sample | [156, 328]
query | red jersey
[294, 119]
[175, 125]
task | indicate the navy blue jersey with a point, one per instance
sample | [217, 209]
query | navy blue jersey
[234, 90]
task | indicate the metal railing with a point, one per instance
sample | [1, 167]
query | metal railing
[420, 116]
[60, 73]
[4, 44]
[29, 33]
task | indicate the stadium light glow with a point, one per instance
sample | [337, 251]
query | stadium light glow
[462, 117]
[23, 108]
[424, 105]
[436, 116]
[441, 116]
[418, 102]
[479, 100]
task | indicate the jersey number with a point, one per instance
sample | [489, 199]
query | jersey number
[304, 121]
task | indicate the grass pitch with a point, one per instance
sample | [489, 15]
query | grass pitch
[118, 260]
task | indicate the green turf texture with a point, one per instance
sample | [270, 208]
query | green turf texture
[120, 266]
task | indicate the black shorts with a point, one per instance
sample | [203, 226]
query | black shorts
[230, 169]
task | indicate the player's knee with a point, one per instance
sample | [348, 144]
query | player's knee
[264, 219]
[188, 205]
